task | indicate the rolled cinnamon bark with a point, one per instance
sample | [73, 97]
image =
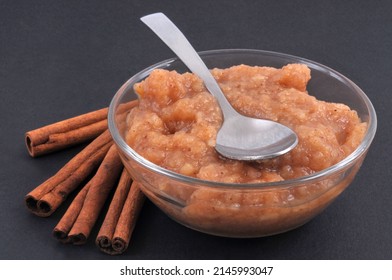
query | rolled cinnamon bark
[70, 132]
[117, 228]
[127, 221]
[48, 196]
[105, 235]
[66, 133]
[62, 229]
[97, 191]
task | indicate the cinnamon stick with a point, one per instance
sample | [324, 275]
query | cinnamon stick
[128, 218]
[115, 233]
[109, 225]
[77, 223]
[66, 133]
[48, 196]
[62, 229]
[70, 132]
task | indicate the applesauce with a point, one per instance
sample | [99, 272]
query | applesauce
[175, 127]
[177, 120]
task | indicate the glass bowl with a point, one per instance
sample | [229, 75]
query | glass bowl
[246, 210]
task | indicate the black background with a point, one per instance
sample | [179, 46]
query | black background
[59, 59]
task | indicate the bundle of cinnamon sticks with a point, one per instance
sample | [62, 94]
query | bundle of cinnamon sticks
[100, 162]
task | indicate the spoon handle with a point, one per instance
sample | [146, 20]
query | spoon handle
[168, 32]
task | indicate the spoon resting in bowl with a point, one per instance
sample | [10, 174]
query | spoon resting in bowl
[240, 137]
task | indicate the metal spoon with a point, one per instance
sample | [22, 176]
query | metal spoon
[240, 137]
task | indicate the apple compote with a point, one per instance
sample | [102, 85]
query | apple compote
[176, 123]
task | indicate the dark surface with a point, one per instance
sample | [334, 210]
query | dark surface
[59, 59]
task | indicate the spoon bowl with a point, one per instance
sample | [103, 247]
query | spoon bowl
[245, 138]
[240, 137]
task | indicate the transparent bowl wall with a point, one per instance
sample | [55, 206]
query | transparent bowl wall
[245, 210]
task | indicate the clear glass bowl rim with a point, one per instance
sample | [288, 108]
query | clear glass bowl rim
[346, 162]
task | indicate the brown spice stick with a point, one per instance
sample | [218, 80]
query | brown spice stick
[62, 229]
[48, 196]
[108, 227]
[70, 132]
[116, 231]
[66, 133]
[97, 192]
[129, 215]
